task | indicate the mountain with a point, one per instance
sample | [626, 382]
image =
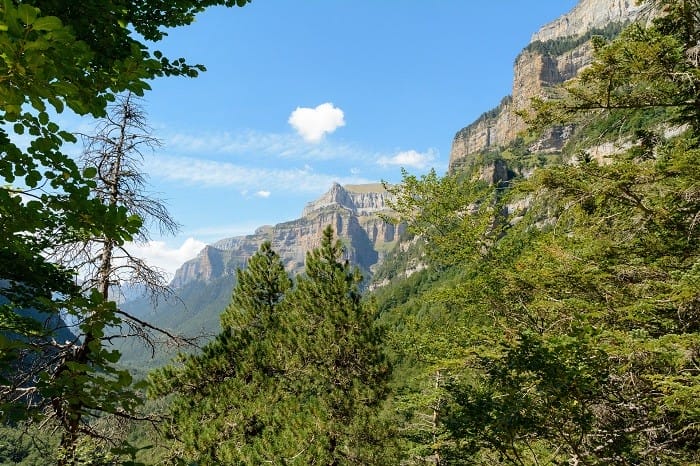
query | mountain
[203, 285]
[353, 211]
[590, 285]
[556, 53]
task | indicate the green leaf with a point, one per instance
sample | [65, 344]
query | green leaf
[47, 23]
[33, 178]
[27, 13]
[68, 137]
[57, 103]
[90, 172]
[112, 356]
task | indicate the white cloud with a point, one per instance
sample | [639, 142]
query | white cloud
[263, 194]
[254, 143]
[410, 158]
[159, 254]
[313, 123]
[209, 173]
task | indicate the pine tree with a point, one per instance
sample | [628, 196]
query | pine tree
[223, 393]
[297, 376]
[342, 373]
[582, 316]
[602, 306]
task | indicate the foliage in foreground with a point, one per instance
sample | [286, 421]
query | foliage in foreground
[77, 56]
[569, 334]
[295, 377]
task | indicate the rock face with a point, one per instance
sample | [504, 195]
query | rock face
[353, 212]
[588, 14]
[535, 71]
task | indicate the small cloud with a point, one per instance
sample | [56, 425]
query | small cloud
[264, 194]
[410, 158]
[314, 123]
[355, 171]
[159, 254]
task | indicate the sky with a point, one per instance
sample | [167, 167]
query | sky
[300, 94]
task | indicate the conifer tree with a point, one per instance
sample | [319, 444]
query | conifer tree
[223, 393]
[602, 308]
[296, 376]
[341, 374]
[583, 316]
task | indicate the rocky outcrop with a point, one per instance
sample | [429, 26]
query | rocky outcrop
[353, 211]
[361, 200]
[535, 71]
[587, 15]
[212, 262]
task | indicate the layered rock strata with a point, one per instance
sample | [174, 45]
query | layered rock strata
[535, 71]
[353, 211]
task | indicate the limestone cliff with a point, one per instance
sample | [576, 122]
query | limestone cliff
[588, 14]
[539, 67]
[353, 212]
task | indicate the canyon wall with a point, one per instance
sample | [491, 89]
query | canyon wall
[540, 66]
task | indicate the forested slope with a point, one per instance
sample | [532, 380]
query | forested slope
[557, 319]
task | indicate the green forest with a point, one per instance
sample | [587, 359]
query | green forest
[552, 319]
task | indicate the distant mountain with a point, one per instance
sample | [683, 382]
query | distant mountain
[555, 54]
[203, 285]
[193, 312]
[53, 324]
[352, 210]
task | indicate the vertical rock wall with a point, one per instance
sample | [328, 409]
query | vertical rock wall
[534, 72]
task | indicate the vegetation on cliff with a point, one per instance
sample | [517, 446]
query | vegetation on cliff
[566, 44]
[553, 319]
[570, 335]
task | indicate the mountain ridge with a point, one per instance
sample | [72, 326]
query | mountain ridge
[353, 211]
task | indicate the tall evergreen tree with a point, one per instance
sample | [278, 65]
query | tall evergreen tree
[224, 392]
[341, 374]
[296, 376]
[602, 306]
[583, 315]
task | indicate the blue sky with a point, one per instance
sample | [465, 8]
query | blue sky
[299, 94]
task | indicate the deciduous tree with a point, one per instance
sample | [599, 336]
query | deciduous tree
[55, 56]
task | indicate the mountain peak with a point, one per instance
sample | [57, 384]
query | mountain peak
[351, 210]
[537, 70]
[360, 199]
[587, 15]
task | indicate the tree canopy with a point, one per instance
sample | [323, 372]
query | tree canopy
[296, 376]
[57, 55]
[577, 325]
